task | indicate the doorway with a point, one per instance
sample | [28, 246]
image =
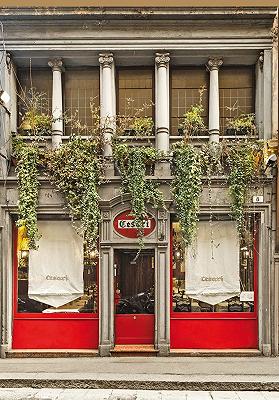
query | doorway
[134, 301]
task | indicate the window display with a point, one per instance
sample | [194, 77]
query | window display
[53, 278]
[217, 273]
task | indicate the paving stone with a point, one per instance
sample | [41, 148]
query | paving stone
[198, 396]
[251, 395]
[223, 395]
[270, 395]
[17, 394]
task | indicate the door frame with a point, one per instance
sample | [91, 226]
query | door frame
[147, 320]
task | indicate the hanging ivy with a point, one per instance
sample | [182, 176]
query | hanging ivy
[132, 162]
[242, 164]
[74, 168]
[186, 188]
[28, 188]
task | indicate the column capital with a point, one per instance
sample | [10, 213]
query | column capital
[56, 64]
[106, 59]
[162, 59]
[214, 64]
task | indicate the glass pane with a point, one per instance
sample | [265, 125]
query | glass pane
[192, 299]
[134, 281]
[84, 304]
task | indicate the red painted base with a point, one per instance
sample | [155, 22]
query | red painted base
[134, 329]
[55, 334]
[214, 333]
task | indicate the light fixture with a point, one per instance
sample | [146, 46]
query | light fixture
[4, 96]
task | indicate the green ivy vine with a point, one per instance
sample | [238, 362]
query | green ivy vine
[132, 162]
[28, 188]
[74, 168]
[186, 187]
[242, 165]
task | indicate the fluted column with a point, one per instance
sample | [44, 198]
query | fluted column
[57, 104]
[213, 66]
[162, 101]
[107, 95]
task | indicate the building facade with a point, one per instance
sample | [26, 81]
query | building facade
[224, 59]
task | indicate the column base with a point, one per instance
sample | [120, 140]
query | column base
[214, 136]
[163, 350]
[104, 350]
[56, 139]
[162, 169]
[266, 350]
[3, 350]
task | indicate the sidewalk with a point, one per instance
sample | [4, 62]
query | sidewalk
[157, 373]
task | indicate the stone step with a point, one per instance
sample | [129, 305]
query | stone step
[133, 350]
[42, 353]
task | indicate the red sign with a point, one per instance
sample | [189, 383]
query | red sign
[124, 224]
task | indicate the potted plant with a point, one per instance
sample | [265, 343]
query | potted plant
[34, 121]
[244, 124]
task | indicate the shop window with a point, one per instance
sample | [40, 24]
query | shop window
[61, 276]
[34, 81]
[236, 88]
[215, 274]
[135, 94]
[189, 86]
[81, 100]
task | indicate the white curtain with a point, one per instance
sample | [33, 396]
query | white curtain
[56, 268]
[212, 263]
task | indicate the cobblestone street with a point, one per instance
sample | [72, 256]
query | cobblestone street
[107, 394]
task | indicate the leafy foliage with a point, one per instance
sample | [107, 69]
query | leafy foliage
[244, 123]
[74, 169]
[242, 163]
[186, 187]
[28, 187]
[131, 162]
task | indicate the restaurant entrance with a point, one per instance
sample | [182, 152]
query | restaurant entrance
[134, 296]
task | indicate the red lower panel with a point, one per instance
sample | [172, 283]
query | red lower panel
[214, 334]
[134, 329]
[55, 334]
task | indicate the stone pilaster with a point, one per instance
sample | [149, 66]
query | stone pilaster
[213, 66]
[57, 103]
[107, 112]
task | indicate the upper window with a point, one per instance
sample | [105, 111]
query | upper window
[29, 85]
[81, 100]
[236, 88]
[135, 92]
[189, 86]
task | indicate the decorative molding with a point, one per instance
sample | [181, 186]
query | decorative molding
[214, 64]
[162, 59]
[56, 64]
[261, 60]
[9, 62]
[106, 215]
[106, 60]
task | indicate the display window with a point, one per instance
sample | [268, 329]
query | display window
[217, 273]
[44, 274]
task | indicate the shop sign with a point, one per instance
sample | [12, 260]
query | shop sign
[124, 224]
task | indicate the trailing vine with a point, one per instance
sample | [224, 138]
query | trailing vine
[241, 161]
[186, 188]
[74, 168]
[132, 162]
[28, 187]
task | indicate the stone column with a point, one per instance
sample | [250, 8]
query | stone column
[162, 287]
[213, 66]
[57, 105]
[106, 287]
[107, 111]
[162, 101]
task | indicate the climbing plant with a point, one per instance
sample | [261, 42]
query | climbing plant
[242, 161]
[131, 162]
[186, 187]
[75, 168]
[27, 156]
